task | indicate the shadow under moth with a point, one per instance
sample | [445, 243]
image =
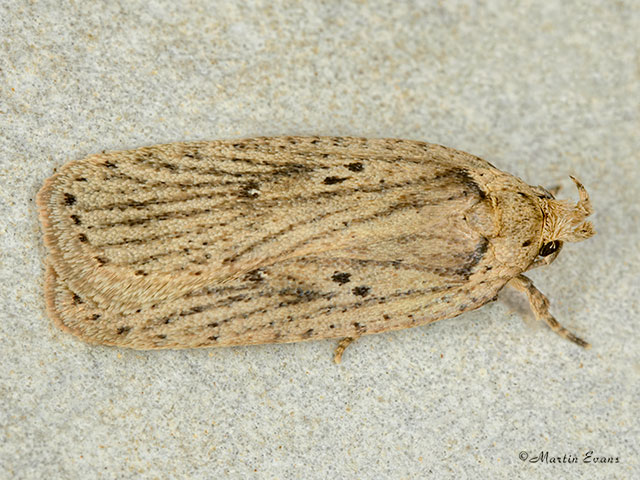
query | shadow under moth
[285, 239]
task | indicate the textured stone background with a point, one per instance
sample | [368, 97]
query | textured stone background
[540, 89]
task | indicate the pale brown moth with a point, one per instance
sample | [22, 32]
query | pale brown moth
[284, 239]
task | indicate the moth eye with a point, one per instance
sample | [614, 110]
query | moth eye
[549, 247]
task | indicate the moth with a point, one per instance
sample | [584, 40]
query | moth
[285, 239]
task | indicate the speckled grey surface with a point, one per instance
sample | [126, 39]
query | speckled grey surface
[540, 89]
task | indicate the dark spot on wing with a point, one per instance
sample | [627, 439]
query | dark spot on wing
[359, 327]
[341, 278]
[250, 190]
[193, 310]
[255, 276]
[69, 199]
[361, 291]
[334, 180]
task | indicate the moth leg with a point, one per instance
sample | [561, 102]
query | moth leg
[540, 306]
[543, 261]
[342, 346]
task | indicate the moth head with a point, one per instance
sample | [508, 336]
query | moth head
[564, 222]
